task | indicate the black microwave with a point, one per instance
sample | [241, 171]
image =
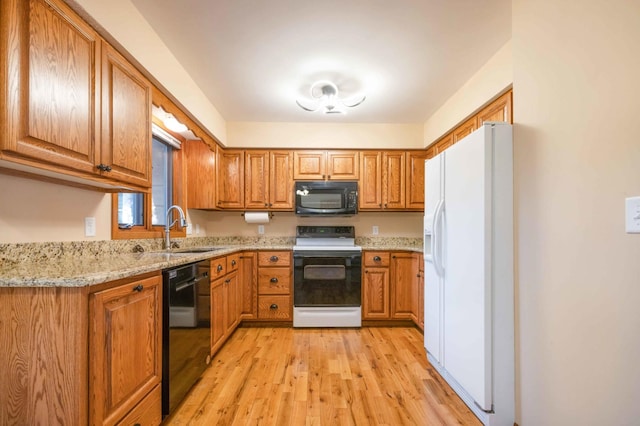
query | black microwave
[326, 198]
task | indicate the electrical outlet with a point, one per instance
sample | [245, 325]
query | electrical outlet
[197, 229]
[260, 229]
[89, 226]
[189, 229]
[375, 230]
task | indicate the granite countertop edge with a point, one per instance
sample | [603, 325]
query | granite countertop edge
[83, 271]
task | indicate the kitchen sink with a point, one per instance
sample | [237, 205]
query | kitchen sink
[195, 250]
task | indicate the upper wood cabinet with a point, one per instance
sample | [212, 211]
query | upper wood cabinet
[465, 129]
[326, 165]
[73, 109]
[201, 175]
[415, 179]
[443, 143]
[269, 180]
[126, 120]
[370, 185]
[230, 178]
[382, 185]
[498, 110]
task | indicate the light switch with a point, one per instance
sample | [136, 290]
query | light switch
[632, 215]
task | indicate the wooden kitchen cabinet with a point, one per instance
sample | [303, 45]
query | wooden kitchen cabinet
[125, 350]
[226, 295]
[404, 288]
[415, 179]
[382, 185]
[444, 143]
[230, 178]
[418, 305]
[218, 313]
[201, 175]
[275, 285]
[248, 277]
[376, 285]
[268, 180]
[498, 110]
[75, 111]
[326, 165]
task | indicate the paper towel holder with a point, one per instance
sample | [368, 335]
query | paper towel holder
[270, 214]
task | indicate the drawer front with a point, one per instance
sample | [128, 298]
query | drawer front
[274, 307]
[147, 412]
[233, 262]
[218, 267]
[274, 280]
[274, 258]
[376, 258]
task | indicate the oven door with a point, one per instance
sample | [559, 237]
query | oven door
[327, 278]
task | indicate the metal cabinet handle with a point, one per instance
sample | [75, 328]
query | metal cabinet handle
[233, 263]
[377, 258]
[274, 258]
[138, 288]
[266, 204]
[219, 268]
[274, 280]
[103, 167]
[227, 281]
[273, 306]
[328, 176]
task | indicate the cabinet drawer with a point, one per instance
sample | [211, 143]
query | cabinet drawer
[147, 412]
[274, 258]
[376, 258]
[233, 262]
[274, 280]
[274, 307]
[218, 267]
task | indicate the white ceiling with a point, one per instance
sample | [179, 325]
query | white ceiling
[254, 58]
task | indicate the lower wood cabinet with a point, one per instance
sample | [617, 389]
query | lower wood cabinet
[226, 297]
[248, 281]
[125, 349]
[275, 286]
[390, 286]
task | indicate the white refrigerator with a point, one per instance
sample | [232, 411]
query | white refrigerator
[468, 253]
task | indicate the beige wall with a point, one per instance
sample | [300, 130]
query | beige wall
[284, 224]
[123, 21]
[32, 211]
[577, 156]
[494, 77]
[325, 135]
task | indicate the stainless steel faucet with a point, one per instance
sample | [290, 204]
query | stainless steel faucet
[167, 225]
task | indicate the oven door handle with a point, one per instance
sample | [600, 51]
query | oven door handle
[191, 283]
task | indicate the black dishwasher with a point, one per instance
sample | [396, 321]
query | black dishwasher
[186, 338]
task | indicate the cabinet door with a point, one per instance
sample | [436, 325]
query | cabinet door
[404, 289]
[370, 190]
[309, 165]
[498, 110]
[465, 129]
[393, 180]
[415, 180]
[230, 179]
[420, 311]
[375, 293]
[256, 175]
[281, 180]
[343, 165]
[218, 313]
[51, 88]
[443, 143]
[125, 343]
[126, 120]
[201, 175]
[249, 285]
[232, 287]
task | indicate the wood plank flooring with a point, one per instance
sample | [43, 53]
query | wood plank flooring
[287, 376]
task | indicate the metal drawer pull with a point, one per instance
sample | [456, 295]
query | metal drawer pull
[273, 306]
[274, 280]
[139, 287]
[377, 258]
[219, 268]
[233, 263]
[274, 258]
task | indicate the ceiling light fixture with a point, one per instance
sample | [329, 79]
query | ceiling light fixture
[169, 120]
[325, 98]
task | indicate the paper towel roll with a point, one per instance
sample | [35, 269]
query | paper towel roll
[256, 217]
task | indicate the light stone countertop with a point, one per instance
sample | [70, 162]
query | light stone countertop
[80, 264]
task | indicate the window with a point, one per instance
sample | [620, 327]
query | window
[143, 215]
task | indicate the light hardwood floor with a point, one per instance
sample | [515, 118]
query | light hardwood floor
[286, 376]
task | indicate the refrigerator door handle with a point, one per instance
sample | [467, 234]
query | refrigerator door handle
[436, 239]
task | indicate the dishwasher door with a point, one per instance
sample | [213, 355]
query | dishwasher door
[186, 351]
